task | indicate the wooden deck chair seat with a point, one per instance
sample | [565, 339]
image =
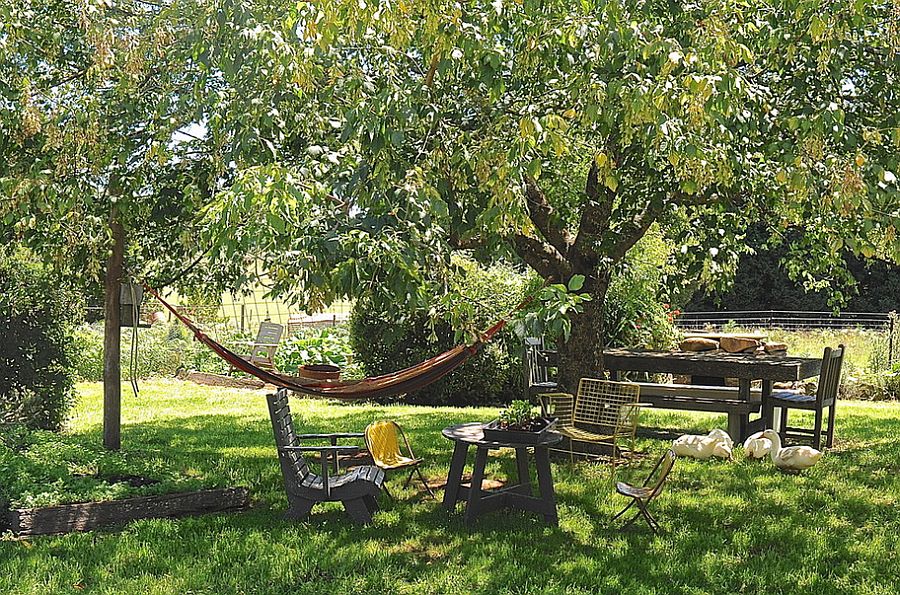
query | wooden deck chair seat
[383, 443]
[602, 413]
[358, 489]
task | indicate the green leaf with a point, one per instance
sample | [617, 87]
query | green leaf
[576, 282]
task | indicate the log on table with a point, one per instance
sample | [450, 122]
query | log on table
[737, 344]
[698, 344]
[66, 518]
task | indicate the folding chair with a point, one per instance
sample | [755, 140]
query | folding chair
[382, 440]
[643, 495]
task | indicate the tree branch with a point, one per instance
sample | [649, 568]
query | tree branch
[595, 214]
[540, 212]
[543, 258]
[635, 229]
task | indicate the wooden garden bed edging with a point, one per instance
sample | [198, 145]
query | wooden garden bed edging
[66, 518]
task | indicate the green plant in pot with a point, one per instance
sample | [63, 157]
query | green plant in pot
[520, 415]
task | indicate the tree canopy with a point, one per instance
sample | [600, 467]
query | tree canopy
[351, 146]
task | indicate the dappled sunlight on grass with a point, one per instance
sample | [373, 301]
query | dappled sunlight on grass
[731, 526]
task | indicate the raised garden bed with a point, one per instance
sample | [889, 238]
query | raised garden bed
[66, 518]
[53, 483]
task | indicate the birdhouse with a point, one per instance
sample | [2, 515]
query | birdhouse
[130, 297]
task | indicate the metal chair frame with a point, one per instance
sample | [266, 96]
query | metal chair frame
[413, 465]
[641, 497]
[613, 407]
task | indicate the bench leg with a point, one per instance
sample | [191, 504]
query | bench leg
[737, 426]
[371, 503]
[358, 511]
[298, 509]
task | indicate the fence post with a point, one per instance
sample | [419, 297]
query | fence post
[891, 342]
[243, 314]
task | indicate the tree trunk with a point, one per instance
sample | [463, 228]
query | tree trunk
[582, 355]
[112, 374]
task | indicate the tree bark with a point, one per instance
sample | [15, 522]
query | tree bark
[582, 355]
[112, 374]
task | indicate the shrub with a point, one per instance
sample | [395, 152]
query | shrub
[634, 313]
[36, 378]
[163, 349]
[388, 341]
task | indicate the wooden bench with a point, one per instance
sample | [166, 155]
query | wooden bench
[715, 399]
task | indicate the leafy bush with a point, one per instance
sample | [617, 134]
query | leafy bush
[163, 349]
[36, 380]
[634, 312]
[388, 341]
[329, 345]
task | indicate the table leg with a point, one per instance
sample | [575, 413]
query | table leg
[739, 422]
[522, 470]
[545, 481]
[768, 408]
[454, 476]
[475, 492]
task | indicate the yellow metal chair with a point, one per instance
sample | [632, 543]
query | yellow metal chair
[383, 442]
[603, 412]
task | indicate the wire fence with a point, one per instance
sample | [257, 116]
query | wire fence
[877, 334]
[242, 316]
[787, 320]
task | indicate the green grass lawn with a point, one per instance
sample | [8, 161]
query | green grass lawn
[732, 527]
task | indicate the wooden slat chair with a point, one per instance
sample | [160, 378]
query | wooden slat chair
[537, 377]
[357, 489]
[262, 351]
[826, 396]
[603, 413]
[383, 442]
[642, 495]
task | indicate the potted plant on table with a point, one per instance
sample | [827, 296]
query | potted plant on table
[520, 423]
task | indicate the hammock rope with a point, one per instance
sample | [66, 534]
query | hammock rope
[395, 383]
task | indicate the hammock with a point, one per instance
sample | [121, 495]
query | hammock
[396, 383]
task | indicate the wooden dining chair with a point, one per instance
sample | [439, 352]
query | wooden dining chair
[642, 495]
[537, 375]
[826, 396]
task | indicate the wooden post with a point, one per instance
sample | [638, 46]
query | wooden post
[112, 374]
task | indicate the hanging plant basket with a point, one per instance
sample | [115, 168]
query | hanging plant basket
[320, 372]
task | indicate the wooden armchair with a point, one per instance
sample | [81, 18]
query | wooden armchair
[357, 489]
[602, 413]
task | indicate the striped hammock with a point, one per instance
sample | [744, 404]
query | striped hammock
[396, 383]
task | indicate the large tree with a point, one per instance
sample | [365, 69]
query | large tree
[555, 132]
[100, 174]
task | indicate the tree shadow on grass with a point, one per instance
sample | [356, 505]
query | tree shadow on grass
[730, 526]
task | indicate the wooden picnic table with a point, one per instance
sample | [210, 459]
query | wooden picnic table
[744, 367]
[517, 496]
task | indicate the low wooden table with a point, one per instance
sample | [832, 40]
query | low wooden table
[518, 496]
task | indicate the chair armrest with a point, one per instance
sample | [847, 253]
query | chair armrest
[322, 449]
[329, 436]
